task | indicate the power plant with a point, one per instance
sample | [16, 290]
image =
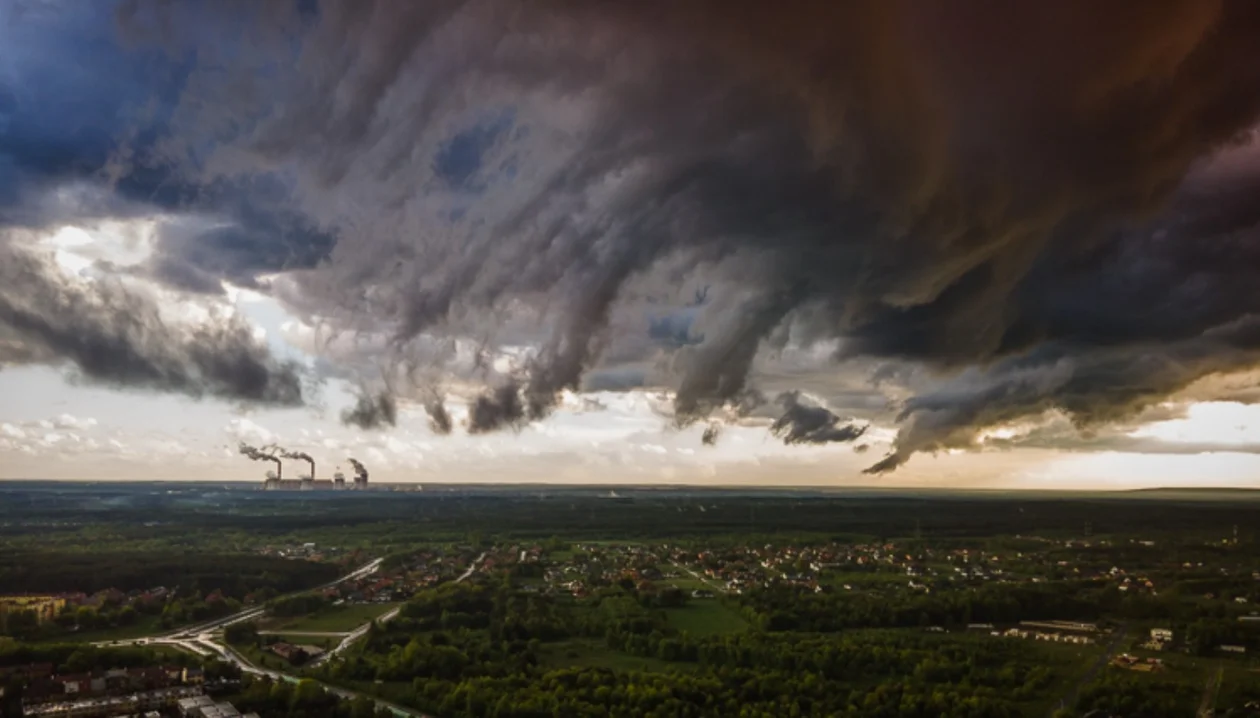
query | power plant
[275, 480]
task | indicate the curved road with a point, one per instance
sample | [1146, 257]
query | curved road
[200, 640]
[361, 631]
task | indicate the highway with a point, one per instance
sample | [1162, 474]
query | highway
[188, 636]
[201, 640]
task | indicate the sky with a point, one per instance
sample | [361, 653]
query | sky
[888, 243]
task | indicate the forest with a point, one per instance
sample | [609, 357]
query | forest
[234, 575]
[483, 651]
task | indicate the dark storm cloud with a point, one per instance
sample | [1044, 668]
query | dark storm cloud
[82, 112]
[1094, 389]
[500, 408]
[964, 184]
[372, 411]
[711, 434]
[803, 423]
[1155, 310]
[439, 418]
[112, 335]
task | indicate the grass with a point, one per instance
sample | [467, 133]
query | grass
[706, 617]
[1240, 684]
[590, 653]
[1068, 662]
[863, 579]
[144, 626]
[170, 651]
[324, 642]
[339, 619]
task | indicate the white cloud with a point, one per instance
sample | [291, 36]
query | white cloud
[12, 431]
[69, 421]
[246, 430]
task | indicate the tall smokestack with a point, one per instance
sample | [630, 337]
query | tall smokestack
[300, 455]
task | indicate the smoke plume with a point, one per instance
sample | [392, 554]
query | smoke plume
[301, 456]
[257, 454]
[360, 471]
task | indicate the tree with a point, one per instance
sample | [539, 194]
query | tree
[244, 633]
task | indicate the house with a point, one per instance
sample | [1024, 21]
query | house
[1161, 635]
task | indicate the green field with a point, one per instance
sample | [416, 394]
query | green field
[706, 617]
[337, 619]
[865, 579]
[324, 642]
[144, 626]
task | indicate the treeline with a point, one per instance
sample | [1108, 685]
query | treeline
[787, 608]
[406, 519]
[233, 574]
[79, 658]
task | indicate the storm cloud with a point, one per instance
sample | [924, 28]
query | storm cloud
[107, 333]
[372, 411]
[1035, 202]
[803, 423]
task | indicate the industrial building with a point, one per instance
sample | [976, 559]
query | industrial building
[275, 482]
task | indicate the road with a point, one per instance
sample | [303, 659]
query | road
[1117, 639]
[314, 634]
[229, 654]
[361, 631]
[189, 634]
[201, 640]
[1207, 707]
[702, 578]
